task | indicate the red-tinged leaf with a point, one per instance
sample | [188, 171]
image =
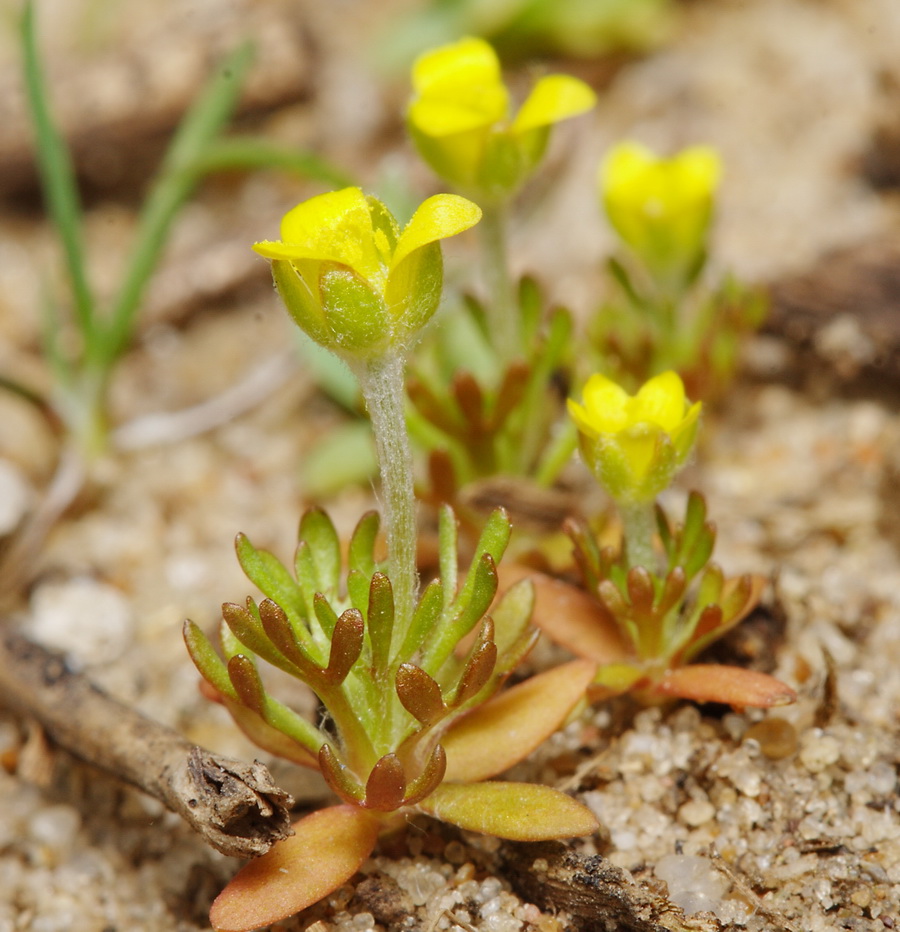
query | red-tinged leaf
[326, 850]
[734, 686]
[570, 616]
[507, 728]
[518, 811]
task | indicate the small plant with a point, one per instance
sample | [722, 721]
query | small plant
[663, 315]
[409, 723]
[652, 613]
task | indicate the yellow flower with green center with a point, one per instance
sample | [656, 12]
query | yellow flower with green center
[352, 280]
[461, 124]
[635, 444]
[662, 208]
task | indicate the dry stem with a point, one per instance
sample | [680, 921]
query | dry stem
[235, 807]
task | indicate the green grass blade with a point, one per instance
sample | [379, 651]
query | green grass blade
[242, 153]
[57, 175]
[174, 184]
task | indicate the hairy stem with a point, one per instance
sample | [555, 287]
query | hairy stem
[639, 522]
[382, 384]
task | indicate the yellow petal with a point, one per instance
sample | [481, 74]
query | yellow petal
[660, 401]
[335, 227]
[605, 404]
[624, 166]
[458, 89]
[437, 218]
[470, 61]
[554, 98]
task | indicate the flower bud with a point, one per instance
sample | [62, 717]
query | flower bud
[460, 118]
[352, 280]
[635, 444]
[662, 208]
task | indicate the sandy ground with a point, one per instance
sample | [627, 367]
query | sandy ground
[802, 484]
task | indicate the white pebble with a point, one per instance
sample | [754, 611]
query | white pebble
[84, 617]
[694, 883]
[696, 812]
[818, 750]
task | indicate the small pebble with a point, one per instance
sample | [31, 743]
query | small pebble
[696, 812]
[777, 737]
[818, 750]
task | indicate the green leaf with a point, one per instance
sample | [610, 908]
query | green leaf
[507, 728]
[512, 615]
[326, 850]
[380, 622]
[269, 575]
[362, 544]
[249, 630]
[206, 660]
[270, 739]
[426, 616]
[517, 811]
[358, 590]
[448, 563]
[319, 534]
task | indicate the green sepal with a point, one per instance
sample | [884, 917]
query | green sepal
[357, 317]
[413, 291]
[296, 283]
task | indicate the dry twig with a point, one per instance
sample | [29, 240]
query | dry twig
[235, 807]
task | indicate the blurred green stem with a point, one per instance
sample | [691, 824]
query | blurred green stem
[502, 307]
[639, 525]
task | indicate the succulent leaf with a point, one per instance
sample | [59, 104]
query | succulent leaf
[420, 694]
[492, 737]
[517, 811]
[386, 785]
[287, 880]
[317, 530]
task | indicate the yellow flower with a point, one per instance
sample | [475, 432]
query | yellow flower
[460, 117]
[351, 280]
[636, 444]
[662, 208]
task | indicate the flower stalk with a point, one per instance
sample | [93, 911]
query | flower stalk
[382, 383]
[502, 310]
